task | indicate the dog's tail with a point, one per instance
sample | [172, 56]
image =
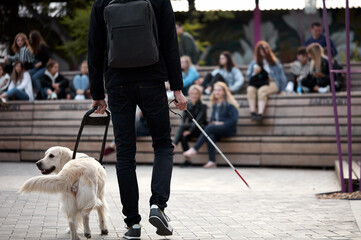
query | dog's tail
[44, 184]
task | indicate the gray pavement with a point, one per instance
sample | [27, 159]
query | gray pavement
[204, 204]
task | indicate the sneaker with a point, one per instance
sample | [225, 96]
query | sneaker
[324, 89]
[186, 163]
[253, 116]
[259, 118]
[79, 97]
[108, 151]
[133, 232]
[289, 87]
[159, 220]
[190, 152]
[210, 164]
[53, 96]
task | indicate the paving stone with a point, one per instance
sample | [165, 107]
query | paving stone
[204, 204]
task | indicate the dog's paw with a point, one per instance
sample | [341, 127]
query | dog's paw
[104, 232]
[87, 235]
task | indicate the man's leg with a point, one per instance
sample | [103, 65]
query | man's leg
[153, 102]
[122, 107]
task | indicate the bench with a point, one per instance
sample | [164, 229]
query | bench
[355, 77]
[296, 131]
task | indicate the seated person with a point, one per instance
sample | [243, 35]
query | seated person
[299, 69]
[81, 83]
[227, 72]
[318, 37]
[223, 122]
[23, 53]
[265, 76]
[42, 56]
[187, 129]
[4, 79]
[318, 80]
[53, 84]
[189, 73]
[20, 87]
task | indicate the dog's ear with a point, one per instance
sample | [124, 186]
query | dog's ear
[66, 153]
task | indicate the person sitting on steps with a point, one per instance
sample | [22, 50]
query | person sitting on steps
[223, 122]
[187, 129]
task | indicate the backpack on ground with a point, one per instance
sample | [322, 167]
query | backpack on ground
[132, 34]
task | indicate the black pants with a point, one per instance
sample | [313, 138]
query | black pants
[310, 82]
[152, 100]
[185, 139]
[209, 80]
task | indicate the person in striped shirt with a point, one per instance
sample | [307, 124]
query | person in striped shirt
[23, 51]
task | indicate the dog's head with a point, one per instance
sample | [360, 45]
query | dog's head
[54, 160]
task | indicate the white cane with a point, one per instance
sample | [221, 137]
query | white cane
[189, 115]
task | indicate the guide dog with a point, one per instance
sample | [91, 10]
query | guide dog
[80, 182]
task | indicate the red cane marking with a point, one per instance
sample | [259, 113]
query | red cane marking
[241, 177]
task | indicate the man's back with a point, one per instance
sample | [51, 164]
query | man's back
[167, 68]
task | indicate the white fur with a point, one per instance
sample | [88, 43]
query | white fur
[80, 182]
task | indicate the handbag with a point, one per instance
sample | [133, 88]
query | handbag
[260, 79]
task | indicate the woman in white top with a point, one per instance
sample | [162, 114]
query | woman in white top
[20, 87]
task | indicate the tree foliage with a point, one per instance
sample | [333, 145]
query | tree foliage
[77, 27]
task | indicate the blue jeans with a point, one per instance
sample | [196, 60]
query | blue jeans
[152, 100]
[17, 93]
[215, 132]
[36, 74]
[81, 82]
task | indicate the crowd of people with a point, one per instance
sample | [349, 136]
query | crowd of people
[31, 73]
[265, 76]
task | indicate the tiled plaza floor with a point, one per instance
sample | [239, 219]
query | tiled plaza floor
[204, 204]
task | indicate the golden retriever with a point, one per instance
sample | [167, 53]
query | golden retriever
[80, 182]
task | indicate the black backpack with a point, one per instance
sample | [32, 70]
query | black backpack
[132, 34]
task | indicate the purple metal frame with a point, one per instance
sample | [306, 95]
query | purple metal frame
[348, 79]
[333, 90]
[257, 25]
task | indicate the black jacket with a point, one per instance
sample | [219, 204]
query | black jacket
[43, 55]
[63, 83]
[199, 112]
[167, 68]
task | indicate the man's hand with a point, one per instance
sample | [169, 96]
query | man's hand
[186, 133]
[101, 104]
[180, 100]
[38, 65]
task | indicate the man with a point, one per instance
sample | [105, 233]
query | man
[187, 44]
[299, 69]
[317, 36]
[142, 86]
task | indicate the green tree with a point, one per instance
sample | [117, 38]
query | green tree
[77, 27]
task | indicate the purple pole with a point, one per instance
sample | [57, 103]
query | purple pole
[348, 76]
[337, 126]
[257, 25]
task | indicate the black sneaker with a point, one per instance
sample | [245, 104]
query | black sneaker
[133, 232]
[259, 118]
[186, 163]
[159, 220]
[253, 116]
